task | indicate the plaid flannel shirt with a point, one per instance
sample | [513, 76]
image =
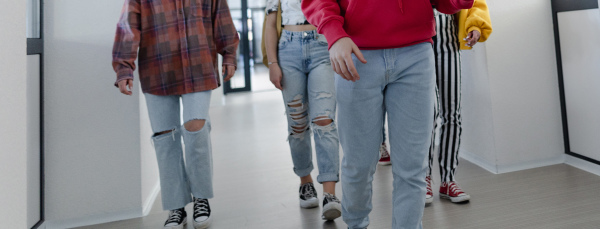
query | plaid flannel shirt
[178, 42]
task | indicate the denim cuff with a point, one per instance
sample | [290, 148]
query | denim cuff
[328, 177]
[304, 172]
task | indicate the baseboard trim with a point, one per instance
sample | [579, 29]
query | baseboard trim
[94, 219]
[151, 199]
[479, 161]
[582, 164]
[107, 217]
[499, 169]
[531, 164]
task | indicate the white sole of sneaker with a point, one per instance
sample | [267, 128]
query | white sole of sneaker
[428, 199]
[310, 203]
[204, 224]
[384, 163]
[180, 226]
[332, 211]
[458, 199]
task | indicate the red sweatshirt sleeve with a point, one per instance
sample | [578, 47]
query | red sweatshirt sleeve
[326, 16]
[452, 6]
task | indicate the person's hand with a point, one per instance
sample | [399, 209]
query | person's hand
[228, 72]
[341, 58]
[276, 75]
[472, 38]
[125, 86]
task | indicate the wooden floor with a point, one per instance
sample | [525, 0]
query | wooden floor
[255, 186]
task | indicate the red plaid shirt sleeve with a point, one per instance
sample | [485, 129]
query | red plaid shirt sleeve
[227, 42]
[127, 40]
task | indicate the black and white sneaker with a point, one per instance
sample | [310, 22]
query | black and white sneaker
[332, 207]
[201, 213]
[177, 219]
[308, 196]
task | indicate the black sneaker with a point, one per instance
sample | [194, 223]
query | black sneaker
[201, 213]
[308, 196]
[332, 207]
[177, 219]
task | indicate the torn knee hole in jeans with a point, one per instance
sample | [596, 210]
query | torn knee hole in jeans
[323, 124]
[324, 95]
[162, 133]
[298, 113]
[194, 125]
[296, 102]
[300, 123]
[322, 121]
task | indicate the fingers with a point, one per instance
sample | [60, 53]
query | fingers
[472, 38]
[275, 76]
[338, 69]
[344, 69]
[123, 87]
[351, 69]
[228, 72]
[130, 83]
[359, 54]
[277, 84]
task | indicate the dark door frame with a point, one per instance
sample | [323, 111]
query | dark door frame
[557, 7]
[35, 46]
[245, 46]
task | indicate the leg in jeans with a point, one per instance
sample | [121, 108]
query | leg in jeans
[360, 120]
[321, 95]
[294, 92]
[198, 150]
[165, 122]
[411, 85]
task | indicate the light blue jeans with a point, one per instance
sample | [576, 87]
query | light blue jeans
[309, 94]
[179, 179]
[400, 81]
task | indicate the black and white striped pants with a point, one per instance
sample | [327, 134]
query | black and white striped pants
[448, 71]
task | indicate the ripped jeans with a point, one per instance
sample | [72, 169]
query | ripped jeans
[309, 96]
[180, 179]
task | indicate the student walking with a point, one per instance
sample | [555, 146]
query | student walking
[455, 32]
[300, 67]
[392, 70]
[177, 43]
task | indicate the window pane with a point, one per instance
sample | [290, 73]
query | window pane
[33, 18]
[257, 3]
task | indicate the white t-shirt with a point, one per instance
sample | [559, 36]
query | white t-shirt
[291, 11]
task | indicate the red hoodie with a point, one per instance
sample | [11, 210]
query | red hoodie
[379, 24]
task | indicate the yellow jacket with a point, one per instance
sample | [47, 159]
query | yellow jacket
[476, 18]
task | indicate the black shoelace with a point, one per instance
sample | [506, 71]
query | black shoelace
[201, 208]
[330, 198]
[175, 216]
[308, 190]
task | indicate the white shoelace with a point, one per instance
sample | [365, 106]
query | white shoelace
[384, 152]
[454, 188]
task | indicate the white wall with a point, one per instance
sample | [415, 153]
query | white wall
[478, 143]
[98, 165]
[149, 166]
[13, 108]
[523, 89]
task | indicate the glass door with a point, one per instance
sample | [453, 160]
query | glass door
[241, 79]
[251, 74]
